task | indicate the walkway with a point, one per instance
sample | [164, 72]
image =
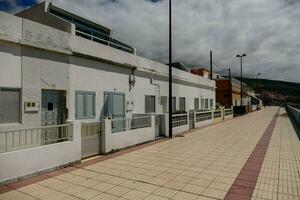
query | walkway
[255, 156]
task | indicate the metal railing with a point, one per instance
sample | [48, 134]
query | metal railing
[12, 140]
[228, 111]
[90, 129]
[217, 113]
[179, 120]
[126, 124]
[294, 113]
[108, 42]
[203, 116]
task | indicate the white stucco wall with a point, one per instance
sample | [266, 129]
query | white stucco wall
[10, 65]
[28, 161]
[203, 123]
[115, 141]
[98, 77]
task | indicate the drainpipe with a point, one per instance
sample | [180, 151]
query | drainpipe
[158, 87]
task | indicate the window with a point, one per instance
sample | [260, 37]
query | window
[9, 105]
[206, 104]
[149, 104]
[196, 103]
[182, 103]
[173, 104]
[84, 105]
[211, 103]
[114, 105]
[202, 104]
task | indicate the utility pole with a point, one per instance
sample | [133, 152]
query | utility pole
[170, 70]
[211, 68]
[241, 57]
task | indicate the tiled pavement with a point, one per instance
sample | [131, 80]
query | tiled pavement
[204, 164]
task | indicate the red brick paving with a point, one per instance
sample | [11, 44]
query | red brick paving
[244, 184]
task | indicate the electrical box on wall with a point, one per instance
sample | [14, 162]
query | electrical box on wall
[31, 106]
[129, 106]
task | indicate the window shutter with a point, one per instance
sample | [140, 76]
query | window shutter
[79, 105]
[9, 106]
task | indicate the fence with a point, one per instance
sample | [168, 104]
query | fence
[294, 113]
[179, 120]
[12, 140]
[228, 111]
[126, 124]
[217, 113]
[203, 116]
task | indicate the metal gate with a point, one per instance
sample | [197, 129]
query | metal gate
[192, 119]
[53, 104]
[90, 139]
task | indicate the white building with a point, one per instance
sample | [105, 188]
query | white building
[57, 67]
[51, 66]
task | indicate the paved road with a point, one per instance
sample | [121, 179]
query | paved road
[255, 156]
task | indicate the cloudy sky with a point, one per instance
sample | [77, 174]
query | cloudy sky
[268, 31]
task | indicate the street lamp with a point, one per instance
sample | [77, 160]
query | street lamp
[170, 70]
[241, 56]
[257, 75]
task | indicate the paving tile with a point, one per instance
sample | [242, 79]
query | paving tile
[165, 192]
[154, 197]
[205, 163]
[195, 189]
[135, 195]
[218, 194]
[104, 196]
[118, 191]
[145, 187]
[185, 196]
[15, 195]
[102, 186]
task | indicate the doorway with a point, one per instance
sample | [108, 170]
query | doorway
[114, 108]
[53, 105]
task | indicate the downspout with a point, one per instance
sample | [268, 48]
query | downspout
[158, 87]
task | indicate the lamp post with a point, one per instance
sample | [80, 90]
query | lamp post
[241, 57]
[170, 69]
[257, 75]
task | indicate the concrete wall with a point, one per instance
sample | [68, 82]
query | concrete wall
[41, 70]
[10, 65]
[30, 161]
[160, 88]
[203, 123]
[10, 27]
[98, 77]
[38, 14]
[113, 141]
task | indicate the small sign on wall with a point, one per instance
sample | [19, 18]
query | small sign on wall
[31, 106]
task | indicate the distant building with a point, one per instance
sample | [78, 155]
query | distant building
[201, 72]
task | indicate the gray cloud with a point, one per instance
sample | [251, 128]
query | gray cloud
[267, 30]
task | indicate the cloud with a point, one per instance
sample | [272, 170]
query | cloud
[266, 30]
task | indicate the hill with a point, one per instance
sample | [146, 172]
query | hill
[275, 92]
